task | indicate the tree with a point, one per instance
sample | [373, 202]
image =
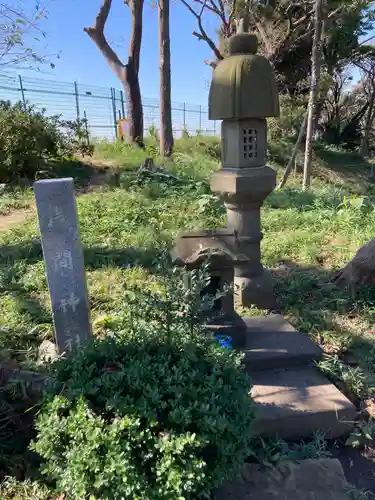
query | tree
[21, 33]
[285, 31]
[315, 76]
[360, 270]
[128, 73]
[369, 88]
[166, 132]
[364, 59]
[292, 160]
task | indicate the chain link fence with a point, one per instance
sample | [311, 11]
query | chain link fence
[100, 106]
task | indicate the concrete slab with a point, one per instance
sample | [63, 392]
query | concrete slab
[321, 479]
[295, 402]
[272, 342]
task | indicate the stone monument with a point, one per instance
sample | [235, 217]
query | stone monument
[63, 257]
[219, 249]
[292, 398]
[243, 94]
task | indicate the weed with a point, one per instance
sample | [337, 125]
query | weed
[363, 435]
[351, 381]
[357, 494]
[10, 488]
[271, 451]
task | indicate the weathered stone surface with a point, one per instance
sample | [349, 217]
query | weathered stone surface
[243, 84]
[47, 351]
[219, 248]
[321, 479]
[295, 402]
[63, 256]
[272, 343]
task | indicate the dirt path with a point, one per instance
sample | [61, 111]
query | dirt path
[14, 218]
[99, 179]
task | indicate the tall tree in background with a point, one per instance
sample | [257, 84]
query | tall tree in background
[166, 132]
[369, 89]
[128, 73]
[285, 31]
[364, 59]
[316, 61]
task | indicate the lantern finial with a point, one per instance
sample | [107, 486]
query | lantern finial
[243, 43]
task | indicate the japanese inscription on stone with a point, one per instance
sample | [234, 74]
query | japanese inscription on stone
[63, 256]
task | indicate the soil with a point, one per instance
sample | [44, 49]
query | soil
[101, 177]
[359, 467]
[13, 219]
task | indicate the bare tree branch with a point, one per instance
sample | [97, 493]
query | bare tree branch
[210, 63]
[127, 73]
[96, 33]
[203, 35]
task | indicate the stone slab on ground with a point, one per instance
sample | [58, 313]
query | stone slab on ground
[272, 342]
[321, 479]
[295, 402]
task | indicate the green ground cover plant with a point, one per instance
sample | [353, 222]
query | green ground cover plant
[126, 230]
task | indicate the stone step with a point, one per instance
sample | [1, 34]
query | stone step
[321, 479]
[272, 343]
[293, 403]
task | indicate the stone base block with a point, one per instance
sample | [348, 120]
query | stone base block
[255, 290]
[321, 479]
[272, 342]
[234, 326]
[293, 403]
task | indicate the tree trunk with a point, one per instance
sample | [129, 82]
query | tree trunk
[134, 105]
[314, 91]
[127, 73]
[364, 151]
[294, 154]
[132, 88]
[166, 132]
[360, 270]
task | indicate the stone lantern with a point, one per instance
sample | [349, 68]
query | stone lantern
[243, 94]
[219, 249]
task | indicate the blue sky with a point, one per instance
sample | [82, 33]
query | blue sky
[80, 59]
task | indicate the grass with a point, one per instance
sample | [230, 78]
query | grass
[125, 228]
[14, 198]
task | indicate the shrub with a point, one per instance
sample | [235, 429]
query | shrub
[289, 122]
[29, 139]
[164, 414]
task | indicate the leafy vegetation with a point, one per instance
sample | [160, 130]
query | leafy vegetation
[127, 229]
[160, 411]
[270, 452]
[29, 140]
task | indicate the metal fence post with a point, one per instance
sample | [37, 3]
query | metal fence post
[113, 96]
[77, 99]
[122, 103]
[86, 128]
[184, 119]
[214, 127]
[22, 90]
[200, 118]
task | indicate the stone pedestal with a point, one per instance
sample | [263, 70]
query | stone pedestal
[219, 249]
[243, 93]
[243, 191]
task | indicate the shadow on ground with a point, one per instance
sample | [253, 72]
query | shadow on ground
[353, 172]
[95, 257]
[359, 468]
[290, 197]
[28, 302]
